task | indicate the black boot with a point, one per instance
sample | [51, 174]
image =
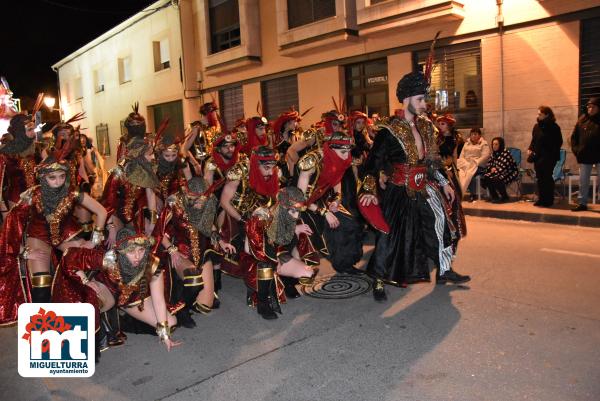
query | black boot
[184, 318]
[267, 299]
[101, 342]
[218, 286]
[41, 284]
[109, 322]
[192, 285]
[451, 277]
[379, 291]
[289, 286]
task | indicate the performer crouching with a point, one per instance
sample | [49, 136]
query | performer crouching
[271, 251]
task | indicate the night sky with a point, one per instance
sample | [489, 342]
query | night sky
[38, 33]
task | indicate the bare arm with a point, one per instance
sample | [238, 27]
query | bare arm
[304, 179]
[226, 197]
[95, 207]
[209, 174]
[293, 152]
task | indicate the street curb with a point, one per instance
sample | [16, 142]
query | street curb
[574, 220]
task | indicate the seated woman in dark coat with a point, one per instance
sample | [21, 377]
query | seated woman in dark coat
[501, 171]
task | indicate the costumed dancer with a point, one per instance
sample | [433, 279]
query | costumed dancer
[128, 276]
[250, 184]
[172, 170]
[190, 244]
[135, 127]
[43, 221]
[284, 130]
[129, 193]
[311, 139]
[256, 133]
[448, 141]
[271, 251]
[415, 195]
[202, 133]
[330, 185]
[17, 160]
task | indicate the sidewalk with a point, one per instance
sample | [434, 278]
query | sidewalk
[560, 213]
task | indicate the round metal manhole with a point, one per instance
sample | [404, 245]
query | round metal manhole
[337, 286]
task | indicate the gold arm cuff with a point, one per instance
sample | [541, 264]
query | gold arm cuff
[153, 216]
[43, 280]
[162, 330]
[265, 274]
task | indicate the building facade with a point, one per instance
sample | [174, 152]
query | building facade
[497, 61]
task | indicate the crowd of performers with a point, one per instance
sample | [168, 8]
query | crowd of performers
[263, 202]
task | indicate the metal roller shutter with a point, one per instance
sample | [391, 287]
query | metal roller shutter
[278, 95]
[589, 61]
[231, 104]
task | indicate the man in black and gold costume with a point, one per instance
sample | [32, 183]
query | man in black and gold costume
[404, 162]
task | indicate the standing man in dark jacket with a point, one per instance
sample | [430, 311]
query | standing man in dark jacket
[544, 151]
[585, 143]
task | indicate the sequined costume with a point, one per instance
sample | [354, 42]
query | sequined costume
[412, 203]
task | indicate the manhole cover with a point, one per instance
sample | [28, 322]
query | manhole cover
[338, 286]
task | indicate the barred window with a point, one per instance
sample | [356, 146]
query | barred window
[589, 62]
[224, 19]
[367, 87]
[456, 82]
[231, 104]
[302, 12]
[278, 95]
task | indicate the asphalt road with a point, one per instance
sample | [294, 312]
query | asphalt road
[527, 327]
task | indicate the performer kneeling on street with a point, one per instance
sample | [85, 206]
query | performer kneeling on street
[271, 251]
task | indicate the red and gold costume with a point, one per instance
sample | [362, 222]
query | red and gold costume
[29, 219]
[124, 199]
[252, 192]
[253, 140]
[105, 268]
[17, 160]
[175, 223]
[271, 239]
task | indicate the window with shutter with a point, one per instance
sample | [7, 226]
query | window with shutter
[456, 82]
[278, 95]
[231, 105]
[589, 61]
[161, 55]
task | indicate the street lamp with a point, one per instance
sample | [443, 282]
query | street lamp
[49, 101]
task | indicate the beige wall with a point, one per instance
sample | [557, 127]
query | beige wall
[398, 65]
[315, 89]
[541, 66]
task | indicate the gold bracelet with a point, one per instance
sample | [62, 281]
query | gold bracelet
[162, 330]
[85, 280]
[172, 249]
[153, 217]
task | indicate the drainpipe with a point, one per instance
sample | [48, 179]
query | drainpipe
[500, 23]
